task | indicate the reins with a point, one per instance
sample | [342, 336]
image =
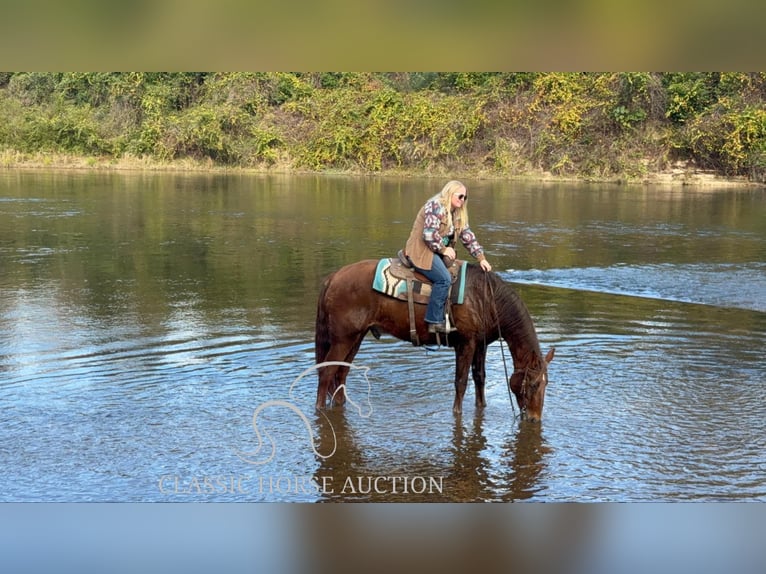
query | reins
[502, 347]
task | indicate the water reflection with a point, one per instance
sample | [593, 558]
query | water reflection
[469, 472]
[513, 477]
[469, 476]
[349, 462]
[527, 461]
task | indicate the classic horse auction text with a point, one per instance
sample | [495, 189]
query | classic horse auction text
[245, 484]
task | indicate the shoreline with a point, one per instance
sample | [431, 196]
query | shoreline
[678, 176]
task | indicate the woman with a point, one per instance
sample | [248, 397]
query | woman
[443, 218]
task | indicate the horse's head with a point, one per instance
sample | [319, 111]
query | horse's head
[528, 384]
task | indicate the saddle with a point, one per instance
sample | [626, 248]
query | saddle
[396, 277]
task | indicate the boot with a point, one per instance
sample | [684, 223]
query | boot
[437, 327]
[443, 327]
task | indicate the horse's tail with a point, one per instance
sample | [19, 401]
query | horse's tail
[322, 330]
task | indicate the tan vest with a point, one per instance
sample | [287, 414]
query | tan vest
[416, 248]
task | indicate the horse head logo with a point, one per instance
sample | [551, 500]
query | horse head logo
[261, 455]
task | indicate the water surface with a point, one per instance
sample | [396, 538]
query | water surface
[145, 319]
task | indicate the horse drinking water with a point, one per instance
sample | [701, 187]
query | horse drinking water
[349, 308]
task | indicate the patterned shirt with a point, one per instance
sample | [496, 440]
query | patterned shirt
[435, 215]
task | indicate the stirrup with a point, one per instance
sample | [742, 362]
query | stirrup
[443, 327]
[437, 328]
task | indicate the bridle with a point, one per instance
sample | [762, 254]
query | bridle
[529, 382]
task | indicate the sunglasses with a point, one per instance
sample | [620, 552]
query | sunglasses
[462, 197]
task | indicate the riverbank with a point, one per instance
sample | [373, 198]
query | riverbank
[679, 174]
[633, 128]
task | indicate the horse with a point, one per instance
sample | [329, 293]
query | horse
[348, 308]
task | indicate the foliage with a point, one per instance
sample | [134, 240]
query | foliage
[382, 128]
[579, 124]
[688, 95]
[57, 127]
[732, 142]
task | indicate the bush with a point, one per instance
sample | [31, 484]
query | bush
[63, 128]
[33, 88]
[689, 94]
[378, 129]
[730, 141]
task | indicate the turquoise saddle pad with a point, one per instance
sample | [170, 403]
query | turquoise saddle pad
[391, 278]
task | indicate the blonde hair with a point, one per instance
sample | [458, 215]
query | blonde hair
[460, 220]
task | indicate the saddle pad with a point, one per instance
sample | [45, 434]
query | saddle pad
[391, 278]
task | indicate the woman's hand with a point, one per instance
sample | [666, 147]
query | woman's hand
[449, 253]
[485, 265]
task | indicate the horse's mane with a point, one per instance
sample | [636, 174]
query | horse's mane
[501, 301]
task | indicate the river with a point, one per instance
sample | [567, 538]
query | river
[147, 320]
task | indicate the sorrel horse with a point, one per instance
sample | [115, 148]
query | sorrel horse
[348, 308]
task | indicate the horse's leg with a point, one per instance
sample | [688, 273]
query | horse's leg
[463, 355]
[326, 375]
[329, 375]
[479, 373]
[333, 377]
[338, 390]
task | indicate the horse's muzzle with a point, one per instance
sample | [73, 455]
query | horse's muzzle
[531, 417]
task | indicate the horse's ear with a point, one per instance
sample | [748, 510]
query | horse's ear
[549, 356]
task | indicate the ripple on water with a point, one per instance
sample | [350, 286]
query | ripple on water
[703, 283]
[660, 402]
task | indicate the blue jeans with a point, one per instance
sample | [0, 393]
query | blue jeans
[440, 279]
